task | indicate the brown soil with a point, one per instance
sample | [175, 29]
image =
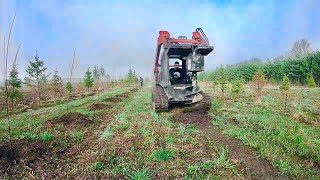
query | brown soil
[245, 158]
[98, 106]
[113, 99]
[199, 117]
[119, 98]
[72, 118]
[23, 152]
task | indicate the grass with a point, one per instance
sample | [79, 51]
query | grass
[97, 166]
[132, 142]
[143, 174]
[162, 154]
[47, 137]
[290, 145]
[77, 136]
[32, 121]
[107, 133]
[147, 145]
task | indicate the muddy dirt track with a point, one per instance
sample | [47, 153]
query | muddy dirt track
[245, 158]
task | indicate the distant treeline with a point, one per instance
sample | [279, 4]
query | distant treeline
[298, 68]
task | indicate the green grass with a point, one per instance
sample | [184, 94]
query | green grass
[133, 142]
[107, 133]
[29, 136]
[47, 137]
[143, 174]
[291, 146]
[97, 166]
[32, 121]
[77, 136]
[163, 154]
[143, 142]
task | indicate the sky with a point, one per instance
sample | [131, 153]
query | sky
[123, 34]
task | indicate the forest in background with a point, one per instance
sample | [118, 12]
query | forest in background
[301, 64]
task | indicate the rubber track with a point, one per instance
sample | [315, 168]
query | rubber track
[160, 98]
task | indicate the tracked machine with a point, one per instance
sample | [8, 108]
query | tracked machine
[179, 87]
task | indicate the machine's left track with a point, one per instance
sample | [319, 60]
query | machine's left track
[159, 99]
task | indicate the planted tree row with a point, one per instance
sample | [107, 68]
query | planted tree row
[40, 87]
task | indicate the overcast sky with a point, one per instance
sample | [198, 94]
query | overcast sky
[122, 34]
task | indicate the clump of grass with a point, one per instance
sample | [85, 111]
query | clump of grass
[145, 131]
[47, 137]
[107, 133]
[183, 129]
[77, 136]
[29, 136]
[58, 102]
[169, 140]
[143, 174]
[163, 154]
[123, 125]
[200, 171]
[222, 161]
[97, 166]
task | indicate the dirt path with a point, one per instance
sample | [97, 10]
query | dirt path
[243, 156]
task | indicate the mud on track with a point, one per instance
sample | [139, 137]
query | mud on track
[245, 158]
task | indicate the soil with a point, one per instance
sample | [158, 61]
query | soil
[245, 158]
[199, 117]
[72, 118]
[113, 99]
[23, 152]
[98, 106]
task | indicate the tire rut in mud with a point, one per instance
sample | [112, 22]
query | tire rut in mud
[245, 158]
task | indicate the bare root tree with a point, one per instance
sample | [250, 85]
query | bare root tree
[258, 83]
[285, 91]
[222, 81]
[69, 86]
[96, 78]
[5, 80]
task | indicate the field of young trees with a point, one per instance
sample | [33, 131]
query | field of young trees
[263, 124]
[246, 135]
[301, 64]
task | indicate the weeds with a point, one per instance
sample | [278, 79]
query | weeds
[97, 166]
[163, 154]
[77, 136]
[107, 133]
[29, 136]
[143, 174]
[47, 137]
[200, 171]
[286, 143]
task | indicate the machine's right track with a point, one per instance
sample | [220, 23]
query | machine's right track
[159, 99]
